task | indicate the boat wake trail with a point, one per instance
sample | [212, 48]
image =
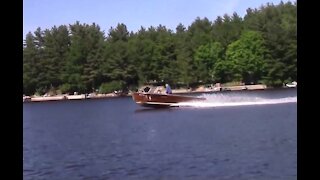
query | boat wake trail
[220, 100]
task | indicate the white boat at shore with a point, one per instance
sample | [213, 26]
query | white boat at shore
[292, 85]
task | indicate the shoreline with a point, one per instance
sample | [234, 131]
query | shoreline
[113, 95]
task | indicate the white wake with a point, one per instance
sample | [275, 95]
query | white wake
[220, 100]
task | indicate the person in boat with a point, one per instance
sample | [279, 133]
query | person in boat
[168, 89]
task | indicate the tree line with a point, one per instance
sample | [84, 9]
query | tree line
[261, 47]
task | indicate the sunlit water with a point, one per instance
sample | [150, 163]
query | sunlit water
[232, 135]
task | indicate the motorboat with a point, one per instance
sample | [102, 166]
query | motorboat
[153, 97]
[292, 85]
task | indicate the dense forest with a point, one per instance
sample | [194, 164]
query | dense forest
[261, 47]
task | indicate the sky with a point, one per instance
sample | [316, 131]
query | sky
[133, 13]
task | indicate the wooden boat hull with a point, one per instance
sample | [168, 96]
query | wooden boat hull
[161, 100]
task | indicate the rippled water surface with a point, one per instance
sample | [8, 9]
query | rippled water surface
[233, 135]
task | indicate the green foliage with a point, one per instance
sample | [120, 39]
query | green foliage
[40, 91]
[205, 57]
[278, 25]
[247, 56]
[223, 71]
[110, 87]
[65, 88]
[200, 32]
[260, 47]
[227, 29]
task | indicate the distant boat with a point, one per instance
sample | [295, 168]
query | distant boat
[26, 98]
[148, 98]
[292, 85]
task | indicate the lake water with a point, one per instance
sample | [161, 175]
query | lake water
[233, 135]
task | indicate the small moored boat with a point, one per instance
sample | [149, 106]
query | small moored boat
[292, 85]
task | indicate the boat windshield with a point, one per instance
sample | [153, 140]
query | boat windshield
[149, 89]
